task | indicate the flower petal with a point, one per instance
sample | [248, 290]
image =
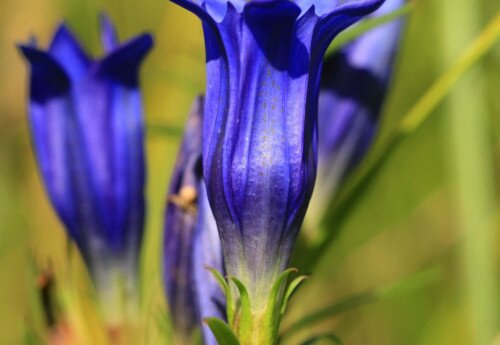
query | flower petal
[48, 79]
[122, 65]
[67, 51]
[259, 149]
[110, 119]
[87, 134]
[353, 89]
[339, 18]
[180, 224]
[207, 252]
[109, 37]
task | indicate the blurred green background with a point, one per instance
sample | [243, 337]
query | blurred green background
[432, 206]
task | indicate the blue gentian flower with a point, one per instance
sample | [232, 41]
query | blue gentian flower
[207, 252]
[354, 85]
[86, 122]
[191, 239]
[259, 136]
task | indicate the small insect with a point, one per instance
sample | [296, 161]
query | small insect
[186, 199]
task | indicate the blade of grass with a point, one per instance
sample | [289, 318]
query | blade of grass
[472, 172]
[408, 284]
[481, 45]
[410, 123]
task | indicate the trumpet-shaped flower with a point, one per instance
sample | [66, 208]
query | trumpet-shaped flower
[207, 252]
[191, 239]
[260, 124]
[353, 89]
[86, 122]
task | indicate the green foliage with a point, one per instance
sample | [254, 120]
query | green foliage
[251, 323]
[294, 285]
[243, 323]
[474, 184]
[230, 306]
[222, 332]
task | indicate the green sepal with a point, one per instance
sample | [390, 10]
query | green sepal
[294, 285]
[245, 316]
[227, 292]
[272, 316]
[222, 332]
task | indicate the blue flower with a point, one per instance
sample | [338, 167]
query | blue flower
[86, 123]
[354, 86]
[207, 252]
[260, 123]
[191, 240]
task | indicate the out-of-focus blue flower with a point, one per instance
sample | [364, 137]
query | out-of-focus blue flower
[259, 145]
[207, 251]
[86, 122]
[191, 239]
[353, 88]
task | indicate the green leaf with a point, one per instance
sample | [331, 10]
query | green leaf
[227, 292]
[294, 285]
[272, 316]
[222, 333]
[474, 177]
[245, 321]
[479, 47]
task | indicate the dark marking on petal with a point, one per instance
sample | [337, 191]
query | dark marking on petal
[48, 79]
[353, 82]
[123, 64]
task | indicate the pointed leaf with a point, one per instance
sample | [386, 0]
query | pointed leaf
[220, 279]
[272, 317]
[245, 321]
[227, 292]
[294, 285]
[221, 331]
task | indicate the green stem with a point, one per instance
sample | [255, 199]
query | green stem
[473, 172]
